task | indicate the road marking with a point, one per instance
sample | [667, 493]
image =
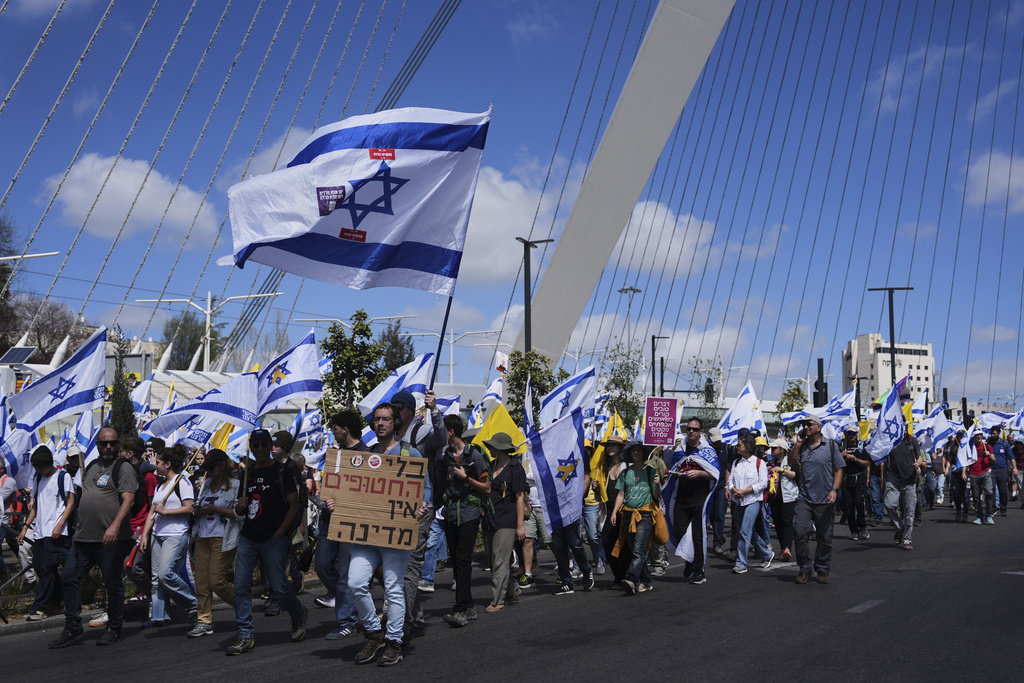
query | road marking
[1014, 573]
[864, 607]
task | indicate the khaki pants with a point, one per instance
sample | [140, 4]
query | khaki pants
[212, 567]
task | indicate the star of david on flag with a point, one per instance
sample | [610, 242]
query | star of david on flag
[577, 391]
[744, 413]
[234, 402]
[381, 200]
[292, 375]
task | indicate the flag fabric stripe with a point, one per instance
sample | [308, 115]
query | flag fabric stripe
[293, 374]
[411, 377]
[575, 392]
[706, 456]
[434, 137]
[561, 499]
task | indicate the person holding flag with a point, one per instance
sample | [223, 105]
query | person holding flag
[505, 525]
[693, 474]
[899, 476]
[637, 490]
[979, 474]
[819, 467]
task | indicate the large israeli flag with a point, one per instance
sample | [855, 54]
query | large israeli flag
[412, 377]
[987, 421]
[141, 396]
[234, 402]
[75, 386]
[966, 454]
[576, 392]
[294, 374]
[745, 412]
[556, 455]
[706, 458]
[449, 405]
[837, 408]
[891, 428]
[381, 200]
[934, 431]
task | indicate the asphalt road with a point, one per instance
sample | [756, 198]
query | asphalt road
[945, 611]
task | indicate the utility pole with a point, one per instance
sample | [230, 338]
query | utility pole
[654, 388]
[527, 246]
[630, 291]
[892, 326]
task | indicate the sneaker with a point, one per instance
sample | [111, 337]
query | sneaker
[739, 570]
[855, 537]
[588, 581]
[822, 577]
[200, 630]
[491, 609]
[392, 653]
[718, 550]
[341, 632]
[457, 619]
[657, 571]
[864, 535]
[453, 585]
[897, 538]
[515, 596]
[299, 626]
[629, 586]
[599, 569]
[101, 618]
[271, 608]
[687, 570]
[138, 597]
[563, 589]
[526, 580]
[698, 579]
[801, 578]
[977, 520]
[989, 520]
[372, 648]
[786, 555]
[768, 562]
[425, 587]
[907, 545]
[36, 616]
[324, 601]
[576, 573]
[110, 636]
[472, 614]
[66, 637]
[193, 616]
[644, 587]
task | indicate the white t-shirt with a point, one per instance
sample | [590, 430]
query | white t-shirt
[173, 525]
[212, 526]
[49, 504]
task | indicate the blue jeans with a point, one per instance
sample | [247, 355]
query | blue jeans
[636, 543]
[564, 541]
[437, 549]
[365, 559]
[166, 555]
[591, 515]
[110, 560]
[875, 503]
[274, 553]
[749, 516]
[332, 560]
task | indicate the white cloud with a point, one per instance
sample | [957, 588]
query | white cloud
[916, 231]
[683, 243]
[986, 104]
[532, 22]
[895, 85]
[135, 317]
[982, 379]
[86, 177]
[993, 177]
[985, 335]
[272, 155]
[40, 8]
[86, 103]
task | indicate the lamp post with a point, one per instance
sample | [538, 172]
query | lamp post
[629, 291]
[451, 345]
[27, 256]
[654, 388]
[208, 312]
[892, 326]
[345, 324]
[581, 356]
[527, 246]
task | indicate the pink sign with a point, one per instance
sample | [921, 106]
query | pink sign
[660, 422]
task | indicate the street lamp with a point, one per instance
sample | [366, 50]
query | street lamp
[451, 345]
[345, 324]
[527, 246]
[630, 291]
[208, 312]
[27, 256]
[581, 356]
[654, 387]
[892, 326]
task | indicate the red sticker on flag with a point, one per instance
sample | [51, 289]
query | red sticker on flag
[382, 154]
[352, 235]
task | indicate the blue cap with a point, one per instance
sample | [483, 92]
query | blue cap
[404, 398]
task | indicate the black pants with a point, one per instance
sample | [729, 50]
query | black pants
[853, 504]
[48, 557]
[1001, 483]
[782, 515]
[609, 535]
[690, 513]
[461, 539]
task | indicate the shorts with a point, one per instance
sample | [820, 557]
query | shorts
[534, 526]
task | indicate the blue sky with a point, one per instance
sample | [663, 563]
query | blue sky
[825, 149]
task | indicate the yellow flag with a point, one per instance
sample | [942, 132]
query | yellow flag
[220, 438]
[908, 413]
[596, 471]
[500, 421]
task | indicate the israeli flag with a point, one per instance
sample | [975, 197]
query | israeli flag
[448, 405]
[966, 454]
[576, 392]
[234, 402]
[75, 386]
[84, 430]
[412, 377]
[381, 200]
[198, 431]
[837, 408]
[986, 421]
[311, 425]
[326, 365]
[495, 393]
[556, 455]
[16, 450]
[141, 395]
[745, 412]
[528, 427]
[597, 411]
[891, 428]
[917, 410]
[1017, 421]
[294, 374]
[707, 458]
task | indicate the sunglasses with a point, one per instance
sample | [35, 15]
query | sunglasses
[108, 443]
[694, 429]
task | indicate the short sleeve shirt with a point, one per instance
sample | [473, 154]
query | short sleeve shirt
[267, 493]
[504, 487]
[818, 466]
[101, 500]
[50, 505]
[635, 486]
[175, 494]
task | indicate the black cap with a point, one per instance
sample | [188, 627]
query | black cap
[260, 435]
[214, 458]
[155, 443]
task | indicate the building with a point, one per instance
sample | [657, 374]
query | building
[867, 357]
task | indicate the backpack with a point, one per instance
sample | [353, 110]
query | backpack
[61, 490]
[472, 498]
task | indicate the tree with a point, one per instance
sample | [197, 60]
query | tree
[537, 367]
[620, 370]
[188, 332]
[54, 321]
[793, 399]
[396, 350]
[705, 378]
[356, 363]
[122, 415]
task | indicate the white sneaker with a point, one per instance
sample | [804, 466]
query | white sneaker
[98, 620]
[324, 601]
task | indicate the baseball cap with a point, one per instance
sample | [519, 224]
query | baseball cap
[260, 435]
[404, 398]
[283, 439]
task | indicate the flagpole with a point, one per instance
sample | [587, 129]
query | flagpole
[440, 342]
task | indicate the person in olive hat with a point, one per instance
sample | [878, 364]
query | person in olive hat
[504, 525]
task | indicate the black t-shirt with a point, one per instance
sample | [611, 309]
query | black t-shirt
[899, 467]
[689, 489]
[854, 468]
[504, 487]
[267, 492]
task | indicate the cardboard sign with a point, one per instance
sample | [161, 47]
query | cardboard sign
[375, 497]
[660, 422]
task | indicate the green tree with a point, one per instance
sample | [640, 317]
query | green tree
[705, 383]
[620, 370]
[356, 363]
[537, 367]
[396, 350]
[188, 332]
[122, 415]
[793, 399]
